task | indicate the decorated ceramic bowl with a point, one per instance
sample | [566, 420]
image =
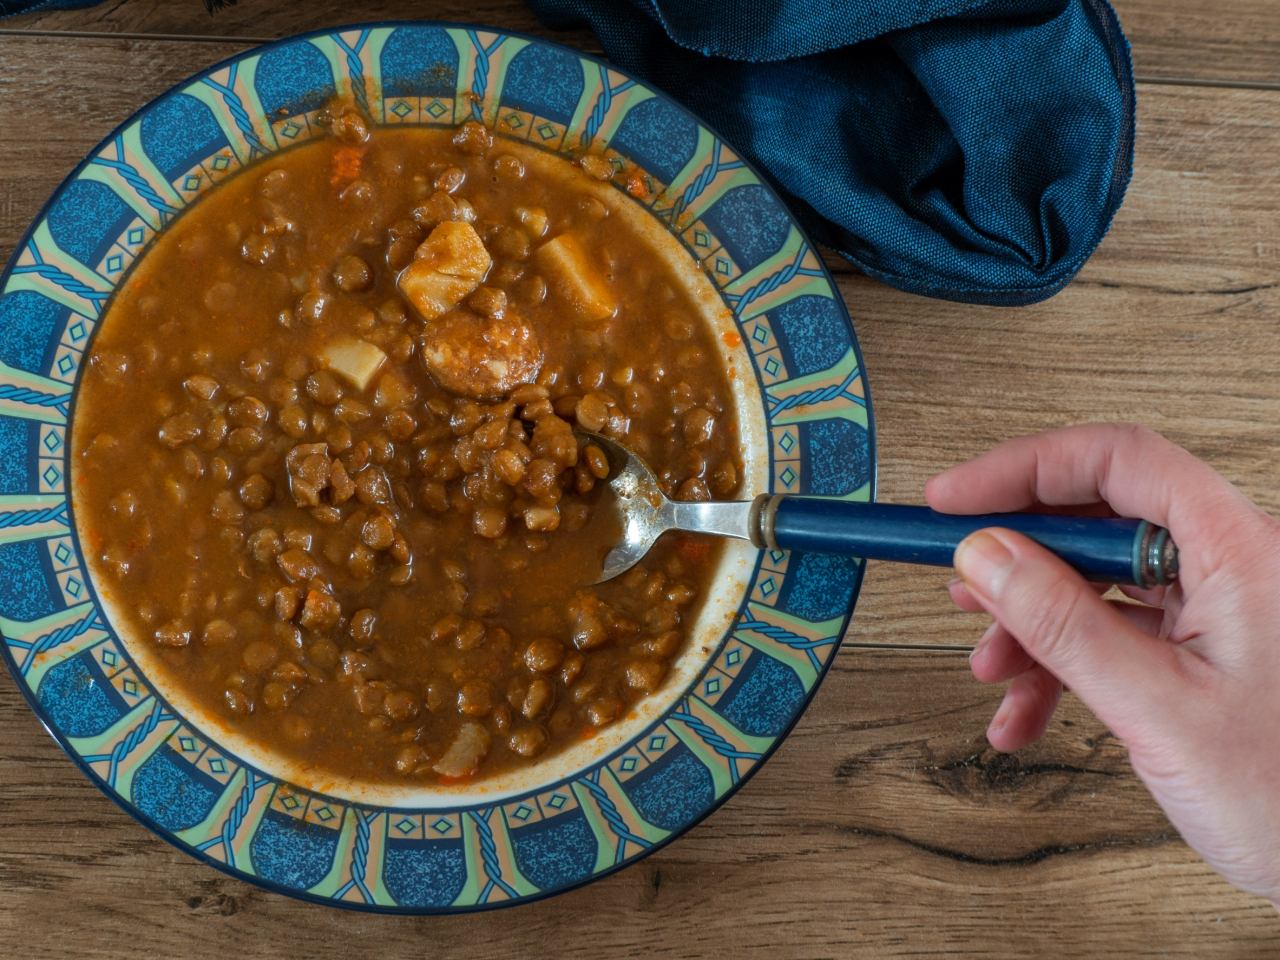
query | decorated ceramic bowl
[756, 659]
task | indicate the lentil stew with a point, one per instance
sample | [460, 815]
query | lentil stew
[324, 462]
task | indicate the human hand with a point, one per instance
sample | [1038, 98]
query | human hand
[1190, 683]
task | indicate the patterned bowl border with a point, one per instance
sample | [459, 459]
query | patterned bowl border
[78, 677]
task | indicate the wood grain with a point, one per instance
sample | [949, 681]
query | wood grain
[885, 825]
[257, 20]
[1237, 41]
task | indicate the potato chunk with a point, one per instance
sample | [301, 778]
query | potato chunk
[572, 277]
[469, 747]
[355, 360]
[446, 268]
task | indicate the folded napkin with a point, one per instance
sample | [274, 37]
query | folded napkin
[974, 150]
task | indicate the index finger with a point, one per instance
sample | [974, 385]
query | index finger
[1135, 470]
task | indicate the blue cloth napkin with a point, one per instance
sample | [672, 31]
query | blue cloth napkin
[11, 8]
[974, 150]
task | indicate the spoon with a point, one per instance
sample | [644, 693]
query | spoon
[1102, 549]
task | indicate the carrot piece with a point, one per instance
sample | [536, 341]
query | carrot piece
[346, 164]
[636, 186]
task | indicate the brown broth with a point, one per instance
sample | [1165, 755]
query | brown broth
[383, 634]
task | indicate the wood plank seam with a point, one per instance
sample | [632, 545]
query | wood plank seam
[1219, 84]
[111, 35]
[913, 647]
[253, 41]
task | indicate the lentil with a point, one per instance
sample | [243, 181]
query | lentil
[392, 516]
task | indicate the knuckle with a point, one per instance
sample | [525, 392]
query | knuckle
[1135, 431]
[1130, 436]
[1138, 436]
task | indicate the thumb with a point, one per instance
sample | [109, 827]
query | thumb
[1122, 674]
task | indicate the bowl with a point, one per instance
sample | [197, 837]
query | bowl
[759, 649]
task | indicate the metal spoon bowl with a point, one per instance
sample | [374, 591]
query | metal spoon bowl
[647, 513]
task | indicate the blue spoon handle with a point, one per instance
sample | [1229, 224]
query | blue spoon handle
[1104, 550]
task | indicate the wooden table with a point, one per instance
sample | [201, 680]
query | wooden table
[885, 826]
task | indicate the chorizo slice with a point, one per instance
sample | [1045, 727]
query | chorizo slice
[481, 357]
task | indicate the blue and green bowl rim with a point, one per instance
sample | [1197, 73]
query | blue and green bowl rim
[169, 834]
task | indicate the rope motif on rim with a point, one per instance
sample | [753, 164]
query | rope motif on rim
[603, 103]
[235, 817]
[702, 181]
[131, 741]
[787, 638]
[820, 395]
[776, 280]
[238, 113]
[712, 739]
[56, 639]
[357, 69]
[34, 398]
[359, 859]
[480, 79]
[25, 518]
[489, 854]
[64, 280]
[135, 180]
[611, 815]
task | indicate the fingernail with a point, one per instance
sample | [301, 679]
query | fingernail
[983, 563]
[982, 642]
[1001, 717]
